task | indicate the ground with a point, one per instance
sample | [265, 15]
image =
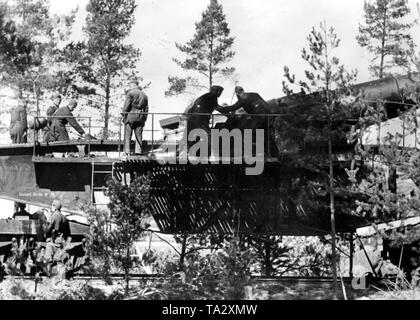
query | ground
[18, 289]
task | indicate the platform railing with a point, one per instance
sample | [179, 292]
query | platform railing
[153, 133]
[47, 118]
[157, 116]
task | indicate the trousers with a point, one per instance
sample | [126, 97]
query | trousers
[18, 133]
[59, 133]
[138, 133]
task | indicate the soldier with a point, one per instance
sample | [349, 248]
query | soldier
[19, 123]
[62, 117]
[251, 102]
[135, 111]
[20, 210]
[57, 233]
[198, 115]
[51, 112]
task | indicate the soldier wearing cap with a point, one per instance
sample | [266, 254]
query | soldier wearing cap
[51, 112]
[19, 123]
[58, 224]
[62, 117]
[253, 104]
[250, 102]
[198, 114]
[57, 233]
[135, 110]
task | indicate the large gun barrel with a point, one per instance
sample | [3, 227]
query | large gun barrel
[388, 88]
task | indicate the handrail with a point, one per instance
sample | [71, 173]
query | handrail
[152, 128]
[204, 114]
[36, 141]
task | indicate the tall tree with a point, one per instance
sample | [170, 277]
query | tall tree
[15, 55]
[15, 50]
[33, 21]
[113, 234]
[110, 59]
[386, 35]
[207, 52]
[327, 81]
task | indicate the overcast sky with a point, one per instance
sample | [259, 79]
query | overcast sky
[268, 35]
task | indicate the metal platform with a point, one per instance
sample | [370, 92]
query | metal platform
[68, 146]
[215, 195]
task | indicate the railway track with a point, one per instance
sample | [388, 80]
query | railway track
[157, 277]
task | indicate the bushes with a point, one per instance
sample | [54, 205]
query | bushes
[218, 275]
[113, 234]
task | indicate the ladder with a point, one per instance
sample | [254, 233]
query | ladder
[100, 168]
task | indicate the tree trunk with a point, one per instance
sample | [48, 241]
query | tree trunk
[267, 256]
[211, 62]
[19, 88]
[381, 67]
[183, 250]
[392, 179]
[107, 104]
[332, 209]
[127, 272]
[36, 98]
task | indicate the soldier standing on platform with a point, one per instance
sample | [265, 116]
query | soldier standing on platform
[251, 102]
[51, 112]
[198, 116]
[135, 111]
[62, 117]
[19, 123]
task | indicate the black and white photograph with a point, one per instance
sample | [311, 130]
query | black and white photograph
[226, 152]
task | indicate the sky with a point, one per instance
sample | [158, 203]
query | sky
[269, 34]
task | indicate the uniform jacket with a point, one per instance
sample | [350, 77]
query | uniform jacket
[64, 116]
[206, 104]
[18, 121]
[59, 225]
[136, 101]
[51, 112]
[252, 103]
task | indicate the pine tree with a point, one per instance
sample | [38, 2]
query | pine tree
[38, 67]
[15, 50]
[326, 81]
[108, 59]
[113, 234]
[385, 35]
[207, 52]
[271, 254]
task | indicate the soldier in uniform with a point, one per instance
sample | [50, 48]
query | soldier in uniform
[57, 233]
[135, 111]
[51, 112]
[62, 117]
[251, 102]
[198, 115]
[19, 123]
[20, 210]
